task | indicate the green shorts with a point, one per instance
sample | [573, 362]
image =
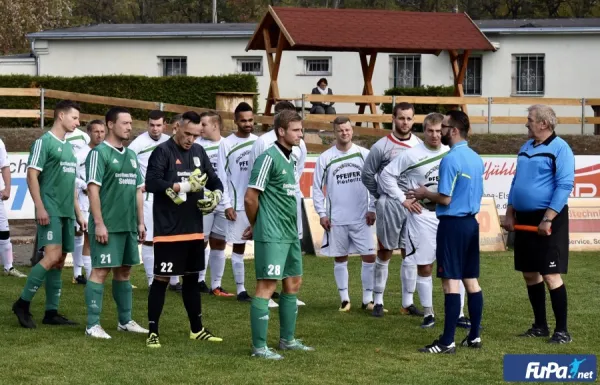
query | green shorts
[60, 231]
[277, 260]
[121, 250]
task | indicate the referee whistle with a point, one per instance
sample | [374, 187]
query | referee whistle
[528, 228]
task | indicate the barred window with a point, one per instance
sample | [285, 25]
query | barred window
[174, 66]
[249, 65]
[405, 71]
[528, 74]
[472, 80]
[317, 66]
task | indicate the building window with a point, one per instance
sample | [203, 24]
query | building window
[320, 66]
[406, 71]
[174, 66]
[528, 73]
[249, 65]
[472, 80]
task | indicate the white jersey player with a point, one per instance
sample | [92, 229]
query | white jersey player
[143, 146]
[215, 224]
[346, 211]
[78, 139]
[233, 170]
[391, 215]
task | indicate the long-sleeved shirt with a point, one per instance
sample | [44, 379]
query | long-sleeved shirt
[544, 177]
[233, 170]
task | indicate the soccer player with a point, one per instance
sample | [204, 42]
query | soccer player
[143, 146]
[299, 152]
[539, 195]
[177, 172]
[117, 222]
[347, 231]
[419, 166]
[215, 223]
[78, 139]
[232, 165]
[81, 255]
[6, 249]
[51, 172]
[270, 204]
[391, 215]
[458, 198]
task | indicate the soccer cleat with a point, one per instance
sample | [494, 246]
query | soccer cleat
[295, 344]
[152, 341]
[299, 303]
[96, 331]
[205, 335]
[132, 326]
[369, 307]
[266, 353]
[437, 348]
[273, 304]
[560, 338]
[24, 316]
[220, 292]
[345, 307]
[203, 287]
[536, 331]
[79, 280]
[12, 272]
[463, 322]
[378, 311]
[428, 322]
[474, 344]
[244, 297]
[53, 318]
[411, 310]
[177, 288]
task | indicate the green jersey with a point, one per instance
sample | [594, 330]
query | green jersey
[117, 173]
[56, 161]
[273, 174]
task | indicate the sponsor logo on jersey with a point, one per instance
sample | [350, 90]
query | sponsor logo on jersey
[196, 161]
[133, 163]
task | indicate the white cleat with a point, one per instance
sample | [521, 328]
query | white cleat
[273, 304]
[14, 273]
[299, 303]
[96, 331]
[133, 327]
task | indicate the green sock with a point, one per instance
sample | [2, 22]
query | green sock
[259, 321]
[53, 287]
[123, 295]
[94, 292]
[288, 312]
[34, 282]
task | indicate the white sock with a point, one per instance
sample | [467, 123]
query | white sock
[461, 287]
[340, 271]
[368, 280]
[77, 260]
[202, 274]
[87, 265]
[217, 267]
[148, 260]
[408, 279]
[425, 290]
[174, 280]
[6, 251]
[381, 276]
[237, 263]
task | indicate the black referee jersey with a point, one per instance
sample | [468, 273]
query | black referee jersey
[170, 164]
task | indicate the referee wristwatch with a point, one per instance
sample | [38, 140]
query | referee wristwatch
[546, 219]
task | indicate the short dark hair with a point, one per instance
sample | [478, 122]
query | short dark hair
[284, 105]
[403, 106]
[65, 106]
[91, 124]
[113, 114]
[322, 80]
[156, 114]
[214, 116]
[339, 121]
[175, 118]
[460, 121]
[242, 107]
[284, 118]
[191, 116]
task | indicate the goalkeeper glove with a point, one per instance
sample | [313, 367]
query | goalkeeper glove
[177, 198]
[210, 201]
[195, 183]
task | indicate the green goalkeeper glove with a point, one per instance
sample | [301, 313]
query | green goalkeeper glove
[210, 201]
[195, 183]
[178, 199]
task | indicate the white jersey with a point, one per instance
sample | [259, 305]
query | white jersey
[268, 139]
[338, 175]
[81, 179]
[3, 161]
[78, 139]
[212, 150]
[143, 146]
[233, 170]
[414, 167]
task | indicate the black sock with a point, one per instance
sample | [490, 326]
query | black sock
[192, 302]
[50, 313]
[156, 301]
[558, 297]
[537, 297]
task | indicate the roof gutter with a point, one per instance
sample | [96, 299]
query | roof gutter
[540, 30]
[37, 59]
[138, 35]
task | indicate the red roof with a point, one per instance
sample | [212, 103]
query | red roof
[322, 29]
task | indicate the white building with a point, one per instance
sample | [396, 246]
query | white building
[542, 58]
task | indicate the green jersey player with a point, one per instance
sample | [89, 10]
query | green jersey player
[270, 203]
[51, 181]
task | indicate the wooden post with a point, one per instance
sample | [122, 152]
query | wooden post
[368, 67]
[274, 64]
[459, 70]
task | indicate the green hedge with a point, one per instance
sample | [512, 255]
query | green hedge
[420, 109]
[185, 90]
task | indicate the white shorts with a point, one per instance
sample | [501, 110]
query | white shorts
[235, 229]
[343, 240]
[86, 216]
[148, 218]
[299, 218]
[3, 218]
[215, 225]
[420, 235]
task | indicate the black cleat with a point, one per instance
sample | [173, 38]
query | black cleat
[474, 344]
[428, 322]
[536, 331]
[23, 315]
[177, 288]
[275, 295]
[244, 297]
[560, 338]
[204, 288]
[53, 318]
[437, 348]
[80, 280]
[463, 322]
[411, 310]
[378, 311]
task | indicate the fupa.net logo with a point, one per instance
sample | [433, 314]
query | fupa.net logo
[550, 367]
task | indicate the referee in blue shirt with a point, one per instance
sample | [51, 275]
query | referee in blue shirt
[538, 196]
[460, 189]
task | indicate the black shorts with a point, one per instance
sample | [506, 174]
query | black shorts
[457, 251]
[178, 258]
[539, 254]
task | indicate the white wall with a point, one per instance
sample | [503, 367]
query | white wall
[17, 66]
